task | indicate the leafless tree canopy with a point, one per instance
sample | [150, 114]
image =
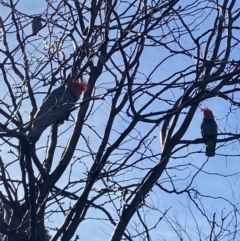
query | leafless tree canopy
[103, 175]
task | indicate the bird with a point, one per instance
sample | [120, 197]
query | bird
[55, 108]
[209, 131]
[36, 24]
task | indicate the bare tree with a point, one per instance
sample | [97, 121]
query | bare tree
[148, 65]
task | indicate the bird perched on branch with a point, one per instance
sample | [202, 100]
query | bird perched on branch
[209, 131]
[36, 24]
[56, 107]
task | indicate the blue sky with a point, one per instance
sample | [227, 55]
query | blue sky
[216, 178]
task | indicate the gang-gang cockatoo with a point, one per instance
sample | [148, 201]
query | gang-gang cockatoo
[55, 107]
[209, 131]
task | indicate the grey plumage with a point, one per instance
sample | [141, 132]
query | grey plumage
[209, 133]
[54, 108]
[36, 24]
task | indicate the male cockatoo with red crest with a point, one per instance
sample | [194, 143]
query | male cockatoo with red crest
[209, 131]
[56, 106]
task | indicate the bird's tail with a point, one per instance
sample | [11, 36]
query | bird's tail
[210, 147]
[34, 134]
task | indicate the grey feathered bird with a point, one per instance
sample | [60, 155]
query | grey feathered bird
[36, 24]
[209, 131]
[56, 107]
